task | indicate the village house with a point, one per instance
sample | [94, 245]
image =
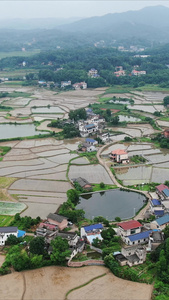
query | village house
[105, 137]
[120, 73]
[155, 239]
[83, 183]
[131, 256]
[166, 133]
[138, 73]
[119, 156]
[91, 142]
[162, 191]
[93, 73]
[85, 130]
[85, 147]
[5, 232]
[156, 207]
[138, 238]
[91, 232]
[160, 223]
[128, 228]
[58, 220]
[80, 85]
[65, 83]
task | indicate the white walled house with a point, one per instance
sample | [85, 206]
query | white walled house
[128, 228]
[5, 232]
[138, 238]
[119, 156]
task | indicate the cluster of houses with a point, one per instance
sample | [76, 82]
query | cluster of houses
[77, 86]
[53, 227]
[93, 125]
[120, 72]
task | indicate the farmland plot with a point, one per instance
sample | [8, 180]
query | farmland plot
[92, 173]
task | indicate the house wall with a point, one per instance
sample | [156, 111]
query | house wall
[123, 233]
[4, 237]
[61, 225]
[137, 242]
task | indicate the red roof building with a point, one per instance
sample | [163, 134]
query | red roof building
[130, 225]
[119, 156]
[128, 228]
[161, 187]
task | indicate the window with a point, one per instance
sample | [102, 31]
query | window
[138, 241]
[133, 231]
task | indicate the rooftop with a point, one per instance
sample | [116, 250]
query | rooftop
[90, 140]
[155, 202]
[81, 181]
[159, 213]
[94, 226]
[139, 236]
[161, 187]
[163, 220]
[166, 192]
[55, 217]
[118, 152]
[9, 229]
[89, 126]
[130, 224]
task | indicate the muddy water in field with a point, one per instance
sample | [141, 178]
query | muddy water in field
[12, 131]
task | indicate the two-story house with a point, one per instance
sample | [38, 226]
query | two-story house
[128, 228]
[5, 232]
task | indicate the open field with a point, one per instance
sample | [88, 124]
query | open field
[5, 220]
[92, 173]
[10, 208]
[54, 283]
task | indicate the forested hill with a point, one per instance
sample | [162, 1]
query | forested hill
[143, 28]
[150, 23]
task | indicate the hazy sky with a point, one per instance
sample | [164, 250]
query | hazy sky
[68, 9]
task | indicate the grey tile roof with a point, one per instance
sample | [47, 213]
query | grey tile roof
[8, 229]
[57, 218]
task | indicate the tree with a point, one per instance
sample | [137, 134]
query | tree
[37, 245]
[166, 100]
[73, 196]
[102, 185]
[117, 219]
[115, 120]
[13, 240]
[60, 250]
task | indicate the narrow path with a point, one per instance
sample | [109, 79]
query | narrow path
[24, 285]
[80, 286]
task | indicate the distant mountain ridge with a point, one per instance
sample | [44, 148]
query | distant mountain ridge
[156, 16]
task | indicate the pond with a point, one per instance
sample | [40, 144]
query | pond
[111, 204]
[47, 110]
[128, 119]
[8, 131]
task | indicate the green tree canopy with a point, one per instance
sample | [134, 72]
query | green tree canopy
[37, 245]
[60, 251]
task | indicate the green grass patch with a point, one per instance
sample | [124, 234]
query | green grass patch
[11, 209]
[152, 87]
[4, 150]
[5, 182]
[96, 187]
[5, 220]
[118, 89]
[19, 94]
[91, 156]
[164, 119]
[108, 106]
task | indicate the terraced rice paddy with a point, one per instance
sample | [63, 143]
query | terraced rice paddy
[156, 170]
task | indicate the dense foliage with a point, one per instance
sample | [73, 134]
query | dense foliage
[24, 223]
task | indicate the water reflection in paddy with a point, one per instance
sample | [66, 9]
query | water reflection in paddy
[12, 131]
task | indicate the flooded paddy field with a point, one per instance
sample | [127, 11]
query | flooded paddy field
[92, 173]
